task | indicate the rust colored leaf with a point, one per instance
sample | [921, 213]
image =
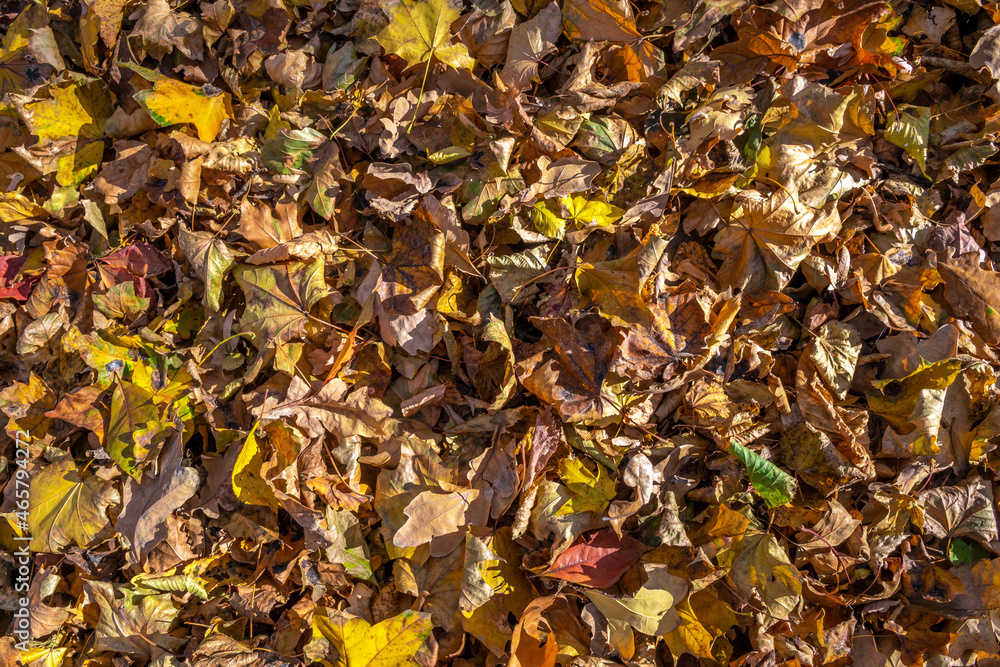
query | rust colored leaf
[598, 561]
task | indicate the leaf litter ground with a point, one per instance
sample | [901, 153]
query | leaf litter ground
[581, 333]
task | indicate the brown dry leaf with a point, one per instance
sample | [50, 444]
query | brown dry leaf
[973, 293]
[571, 376]
[767, 238]
[267, 228]
[440, 518]
[530, 43]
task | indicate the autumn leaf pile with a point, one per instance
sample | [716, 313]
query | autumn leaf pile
[377, 333]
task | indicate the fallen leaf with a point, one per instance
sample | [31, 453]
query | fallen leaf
[391, 643]
[651, 609]
[599, 561]
[67, 508]
[421, 30]
[172, 102]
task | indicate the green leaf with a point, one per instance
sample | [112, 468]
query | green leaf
[963, 552]
[910, 130]
[773, 484]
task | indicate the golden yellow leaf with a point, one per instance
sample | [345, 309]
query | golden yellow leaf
[248, 481]
[421, 30]
[391, 643]
[591, 491]
[172, 102]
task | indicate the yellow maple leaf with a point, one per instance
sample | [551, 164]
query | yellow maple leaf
[421, 30]
[591, 491]
[391, 643]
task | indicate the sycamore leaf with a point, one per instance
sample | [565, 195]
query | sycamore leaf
[591, 491]
[414, 270]
[616, 288]
[74, 110]
[584, 212]
[391, 643]
[835, 351]
[162, 30]
[909, 128]
[773, 484]
[546, 222]
[768, 237]
[66, 508]
[421, 30]
[493, 378]
[569, 372]
[279, 299]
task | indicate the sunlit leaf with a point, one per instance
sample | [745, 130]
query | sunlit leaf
[773, 484]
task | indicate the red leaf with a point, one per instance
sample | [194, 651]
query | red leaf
[10, 265]
[599, 561]
[139, 259]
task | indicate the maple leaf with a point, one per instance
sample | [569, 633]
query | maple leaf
[170, 102]
[421, 30]
[279, 299]
[391, 643]
[571, 377]
[768, 237]
[66, 508]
